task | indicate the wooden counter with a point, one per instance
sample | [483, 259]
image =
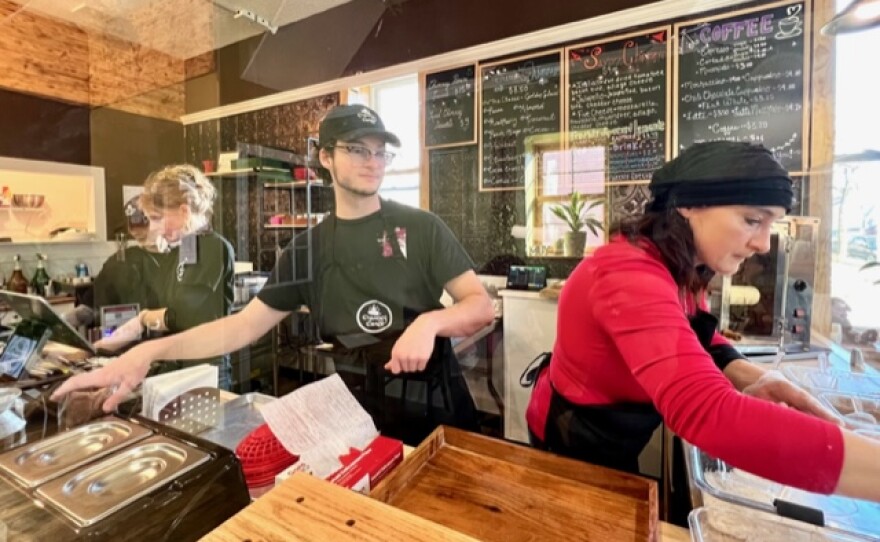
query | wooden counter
[304, 508]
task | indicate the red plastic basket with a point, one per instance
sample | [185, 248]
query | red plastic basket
[262, 456]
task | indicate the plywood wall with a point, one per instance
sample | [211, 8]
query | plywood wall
[42, 56]
[46, 57]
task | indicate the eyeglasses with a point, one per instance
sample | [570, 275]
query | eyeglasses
[361, 155]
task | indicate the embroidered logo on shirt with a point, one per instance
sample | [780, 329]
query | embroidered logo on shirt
[366, 116]
[180, 270]
[374, 316]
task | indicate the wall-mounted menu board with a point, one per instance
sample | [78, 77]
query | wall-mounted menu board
[617, 96]
[450, 106]
[742, 77]
[519, 98]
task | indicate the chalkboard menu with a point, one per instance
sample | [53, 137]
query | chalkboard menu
[450, 106]
[617, 96]
[741, 77]
[519, 99]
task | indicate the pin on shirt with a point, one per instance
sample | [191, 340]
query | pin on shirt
[386, 245]
[385, 242]
[400, 233]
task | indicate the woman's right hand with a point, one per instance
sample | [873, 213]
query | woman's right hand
[122, 376]
[122, 336]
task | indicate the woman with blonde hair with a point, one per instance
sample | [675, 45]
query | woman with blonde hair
[191, 270]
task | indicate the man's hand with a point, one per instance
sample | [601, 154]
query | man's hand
[772, 386]
[413, 349]
[122, 376]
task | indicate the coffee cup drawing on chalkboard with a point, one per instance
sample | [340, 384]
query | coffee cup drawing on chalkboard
[791, 26]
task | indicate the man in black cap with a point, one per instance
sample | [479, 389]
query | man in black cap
[378, 270]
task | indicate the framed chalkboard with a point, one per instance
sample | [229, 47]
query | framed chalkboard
[519, 98]
[617, 95]
[450, 107]
[742, 76]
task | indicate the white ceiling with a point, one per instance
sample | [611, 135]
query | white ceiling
[181, 28]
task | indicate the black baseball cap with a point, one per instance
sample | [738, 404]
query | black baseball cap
[347, 122]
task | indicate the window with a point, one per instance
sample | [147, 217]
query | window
[856, 193]
[560, 173]
[397, 102]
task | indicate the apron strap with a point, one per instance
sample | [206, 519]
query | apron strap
[534, 369]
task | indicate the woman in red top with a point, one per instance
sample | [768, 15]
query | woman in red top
[634, 346]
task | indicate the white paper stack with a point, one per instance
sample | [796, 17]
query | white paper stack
[319, 423]
[161, 389]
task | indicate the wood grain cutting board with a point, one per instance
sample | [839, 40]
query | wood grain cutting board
[493, 490]
[305, 508]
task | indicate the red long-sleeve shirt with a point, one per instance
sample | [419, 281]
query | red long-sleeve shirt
[623, 335]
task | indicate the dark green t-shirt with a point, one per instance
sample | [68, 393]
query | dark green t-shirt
[127, 279]
[198, 292]
[396, 259]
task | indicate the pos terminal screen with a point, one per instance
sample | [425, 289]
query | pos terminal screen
[23, 348]
[115, 316]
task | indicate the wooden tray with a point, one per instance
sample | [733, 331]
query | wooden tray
[492, 490]
[306, 509]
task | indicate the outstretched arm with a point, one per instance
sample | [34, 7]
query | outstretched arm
[207, 340]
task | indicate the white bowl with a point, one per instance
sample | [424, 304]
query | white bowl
[8, 397]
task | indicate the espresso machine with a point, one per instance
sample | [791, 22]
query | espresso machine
[769, 301]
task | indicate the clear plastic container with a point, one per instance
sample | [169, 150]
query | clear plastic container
[736, 524]
[860, 412]
[817, 380]
[870, 433]
[728, 486]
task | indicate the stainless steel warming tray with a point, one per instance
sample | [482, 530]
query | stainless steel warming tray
[47, 459]
[100, 489]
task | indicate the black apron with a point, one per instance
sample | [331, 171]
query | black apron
[371, 311]
[614, 435]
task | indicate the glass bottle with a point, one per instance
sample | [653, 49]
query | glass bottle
[40, 282]
[17, 281]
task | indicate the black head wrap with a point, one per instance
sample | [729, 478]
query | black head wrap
[721, 173]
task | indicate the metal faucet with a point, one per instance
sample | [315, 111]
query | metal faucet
[780, 347]
[856, 360]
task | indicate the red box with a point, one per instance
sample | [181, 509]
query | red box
[370, 466]
[361, 469]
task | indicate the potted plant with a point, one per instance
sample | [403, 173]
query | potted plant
[575, 214]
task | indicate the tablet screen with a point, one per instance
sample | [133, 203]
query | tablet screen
[34, 308]
[22, 347]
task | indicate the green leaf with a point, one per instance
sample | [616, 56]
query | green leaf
[572, 213]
